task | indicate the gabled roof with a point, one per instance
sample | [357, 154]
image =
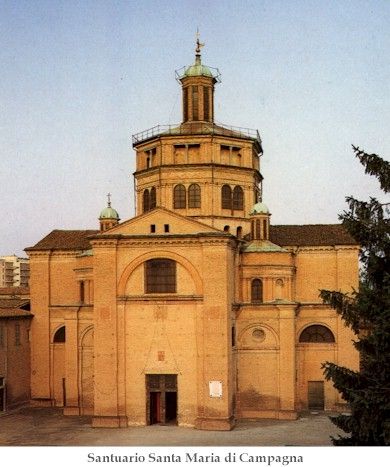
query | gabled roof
[15, 313]
[65, 240]
[283, 235]
[310, 235]
[263, 246]
[14, 308]
[14, 303]
[140, 225]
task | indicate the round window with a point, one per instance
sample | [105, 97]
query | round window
[258, 335]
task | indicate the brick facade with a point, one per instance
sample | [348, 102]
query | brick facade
[206, 352]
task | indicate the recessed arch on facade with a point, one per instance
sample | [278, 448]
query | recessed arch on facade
[86, 335]
[59, 335]
[316, 334]
[184, 262]
[258, 335]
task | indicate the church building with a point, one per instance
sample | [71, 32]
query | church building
[197, 311]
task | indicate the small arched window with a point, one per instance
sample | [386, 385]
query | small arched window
[152, 198]
[146, 201]
[316, 333]
[238, 198]
[160, 276]
[239, 232]
[59, 336]
[179, 197]
[226, 197]
[257, 290]
[194, 196]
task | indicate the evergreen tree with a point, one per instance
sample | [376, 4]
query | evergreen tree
[367, 312]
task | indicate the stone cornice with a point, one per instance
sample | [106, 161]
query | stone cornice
[155, 298]
[38, 253]
[155, 240]
[83, 270]
[108, 241]
[247, 268]
[197, 166]
[273, 304]
[308, 248]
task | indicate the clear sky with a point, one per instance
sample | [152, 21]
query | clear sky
[78, 78]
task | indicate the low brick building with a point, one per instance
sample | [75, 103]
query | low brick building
[196, 311]
[15, 322]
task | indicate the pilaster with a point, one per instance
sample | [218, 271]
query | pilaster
[71, 364]
[106, 361]
[287, 358]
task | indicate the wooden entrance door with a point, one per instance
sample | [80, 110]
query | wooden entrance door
[315, 395]
[161, 400]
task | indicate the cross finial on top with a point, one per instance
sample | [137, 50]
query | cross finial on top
[199, 45]
[109, 200]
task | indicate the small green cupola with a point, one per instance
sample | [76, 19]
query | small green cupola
[109, 217]
[198, 82]
[260, 220]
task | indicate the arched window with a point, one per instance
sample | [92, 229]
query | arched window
[146, 201]
[59, 336]
[179, 197]
[257, 290]
[239, 232]
[226, 197]
[153, 197]
[160, 276]
[316, 333]
[238, 198]
[194, 196]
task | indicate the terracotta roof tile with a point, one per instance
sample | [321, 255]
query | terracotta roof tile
[283, 235]
[14, 291]
[65, 240]
[13, 303]
[14, 313]
[310, 235]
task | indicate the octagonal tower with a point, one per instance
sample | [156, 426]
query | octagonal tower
[199, 168]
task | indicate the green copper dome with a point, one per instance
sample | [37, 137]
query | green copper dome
[109, 213]
[198, 70]
[259, 208]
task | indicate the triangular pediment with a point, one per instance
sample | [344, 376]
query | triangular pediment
[164, 222]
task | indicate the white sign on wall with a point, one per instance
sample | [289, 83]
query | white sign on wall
[215, 388]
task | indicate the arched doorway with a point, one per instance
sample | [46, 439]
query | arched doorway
[316, 345]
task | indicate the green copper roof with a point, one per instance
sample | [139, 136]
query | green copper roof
[109, 213]
[259, 208]
[198, 70]
[264, 246]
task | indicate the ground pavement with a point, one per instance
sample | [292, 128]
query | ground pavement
[48, 427]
